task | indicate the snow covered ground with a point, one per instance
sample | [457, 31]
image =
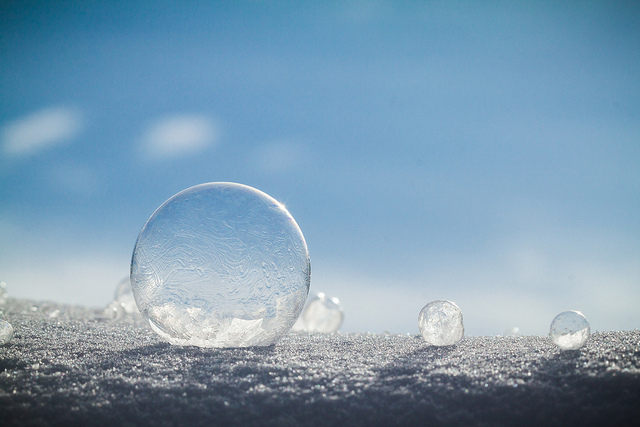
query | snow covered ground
[67, 365]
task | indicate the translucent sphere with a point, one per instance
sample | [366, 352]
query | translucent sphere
[220, 265]
[512, 332]
[440, 323]
[113, 311]
[321, 314]
[570, 330]
[3, 293]
[6, 332]
[123, 304]
[124, 296]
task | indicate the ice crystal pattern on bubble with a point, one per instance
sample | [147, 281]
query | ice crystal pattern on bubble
[570, 330]
[440, 323]
[6, 332]
[220, 265]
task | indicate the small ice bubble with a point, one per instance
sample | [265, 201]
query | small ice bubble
[6, 332]
[299, 326]
[114, 311]
[124, 295]
[3, 293]
[123, 303]
[570, 330]
[321, 314]
[440, 323]
[512, 332]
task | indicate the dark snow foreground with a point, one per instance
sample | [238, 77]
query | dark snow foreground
[65, 365]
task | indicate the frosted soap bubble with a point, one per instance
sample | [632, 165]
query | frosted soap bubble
[6, 332]
[322, 314]
[220, 265]
[123, 303]
[3, 293]
[440, 323]
[570, 330]
[512, 332]
[124, 296]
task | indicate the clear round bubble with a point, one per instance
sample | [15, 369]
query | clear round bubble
[3, 293]
[123, 303]
[220, 265]
[6, 332]
[113, 311]
[570, 330]
[512, 332]
[124, 297]
[322, 314]
[440, 323]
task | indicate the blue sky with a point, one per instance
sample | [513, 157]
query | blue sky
[483, 152]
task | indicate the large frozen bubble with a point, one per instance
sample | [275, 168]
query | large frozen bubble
[6, 332]
[440, 323]
[220, 265]
[322, 314]
[570, 330]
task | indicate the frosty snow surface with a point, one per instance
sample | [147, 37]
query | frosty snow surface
[68, 365]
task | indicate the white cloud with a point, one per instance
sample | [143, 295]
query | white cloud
[41, 130]
[180, 135]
